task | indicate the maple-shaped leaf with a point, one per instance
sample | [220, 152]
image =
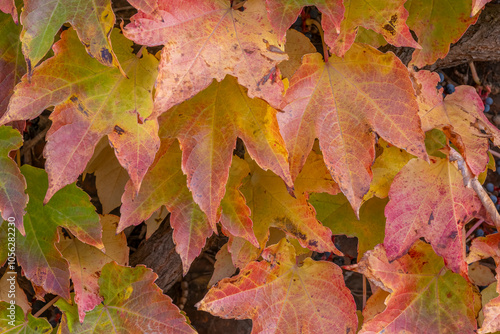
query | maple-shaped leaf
[36, 252]
[437, 24]
[86, 262]
[12, 64]
[165, 184]
[132, 303]
[212, 39]
[9, 7]
[430, 201]
[297, 45]
[283, 13]
[424, 296]
[386, 17]
[16, 322]
[483, 248]
[207, 127]
[477, 5]
[460, 116]
[343, 103]
[281, 296]
[91, 101]
[93, 21]
[12, 183]
[336, 213]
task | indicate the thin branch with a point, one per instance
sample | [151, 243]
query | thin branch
[494, 153]
[473, 228]
[46, 306]
[364, 292]
[474, 73]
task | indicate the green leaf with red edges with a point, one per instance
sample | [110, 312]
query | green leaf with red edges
[430, 201]
[165, 184]
[211, 40]
[460, 116]
[343, 103]
[336, 213]
[483, 248]
[424, 296]
[477, 5]
[12, 64]
[86, 262]
[36, 253]
[437, 25]
[9, 7]
[207, 127]
[132, 303]
[386, 17]
[93, 21]
[20, 323]
[281, 296]
[271, 205]
[283, 13]
[91, 101]
[13, 199]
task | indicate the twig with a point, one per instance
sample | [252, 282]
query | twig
[364, 292]
[474, 73]
[46, 306]
[32, 142]
[472, 182]
[473, 228]
[494, 153]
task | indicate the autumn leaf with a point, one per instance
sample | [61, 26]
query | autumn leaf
[13, 199]
[22, 324]
[93, 21]
[223, 266]
[430, 201]
[132, 303]
[424, 296]
[370, 37]
[212, 39]
[336, 213]
[36, 252]
[86, 262]
[477, 5]
[297, 45]
[91, 101]
[282, 296]
[207, 127]
[9, 7]
[8, 284]
[343, 103]
[460, 116]
[483, 248]
[437, 24]
[387, 18]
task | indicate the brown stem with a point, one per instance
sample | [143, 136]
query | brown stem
[46, 306]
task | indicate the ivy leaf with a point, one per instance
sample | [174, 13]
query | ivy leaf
[91, 101]
[477, 5]
[22, 324]
[430, 201]
[336, 213]
[132, 303]
[387, 18]
[207, 127]
[36, 252]
[424, 296]
[165, 184]
[223, 266]
[483, 248]
[86, 262]
[6, 282]
[437, 25]
[211, 40]
[281, 296]
[460, 116]
[13, 199]
[297, 45]
[93, 21]
[343, 102]
[9, 7]
[283, 13]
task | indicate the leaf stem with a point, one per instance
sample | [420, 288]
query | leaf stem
[46, 306]
[473, 228]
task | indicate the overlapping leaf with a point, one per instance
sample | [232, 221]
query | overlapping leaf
[207, 126]
[460, 115]
[297, 45]
[437, 25]
[132, 303]
[13, 200]
[91, 101]
[477, 5]
[343, 102]
[93, 21]
[483, 248]
[22, 324]
[36, 252]
[211, 40]
[86, 262]
[425, 297]
[165, 184]
[9, 7]
[430, 201]
[282, 297]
